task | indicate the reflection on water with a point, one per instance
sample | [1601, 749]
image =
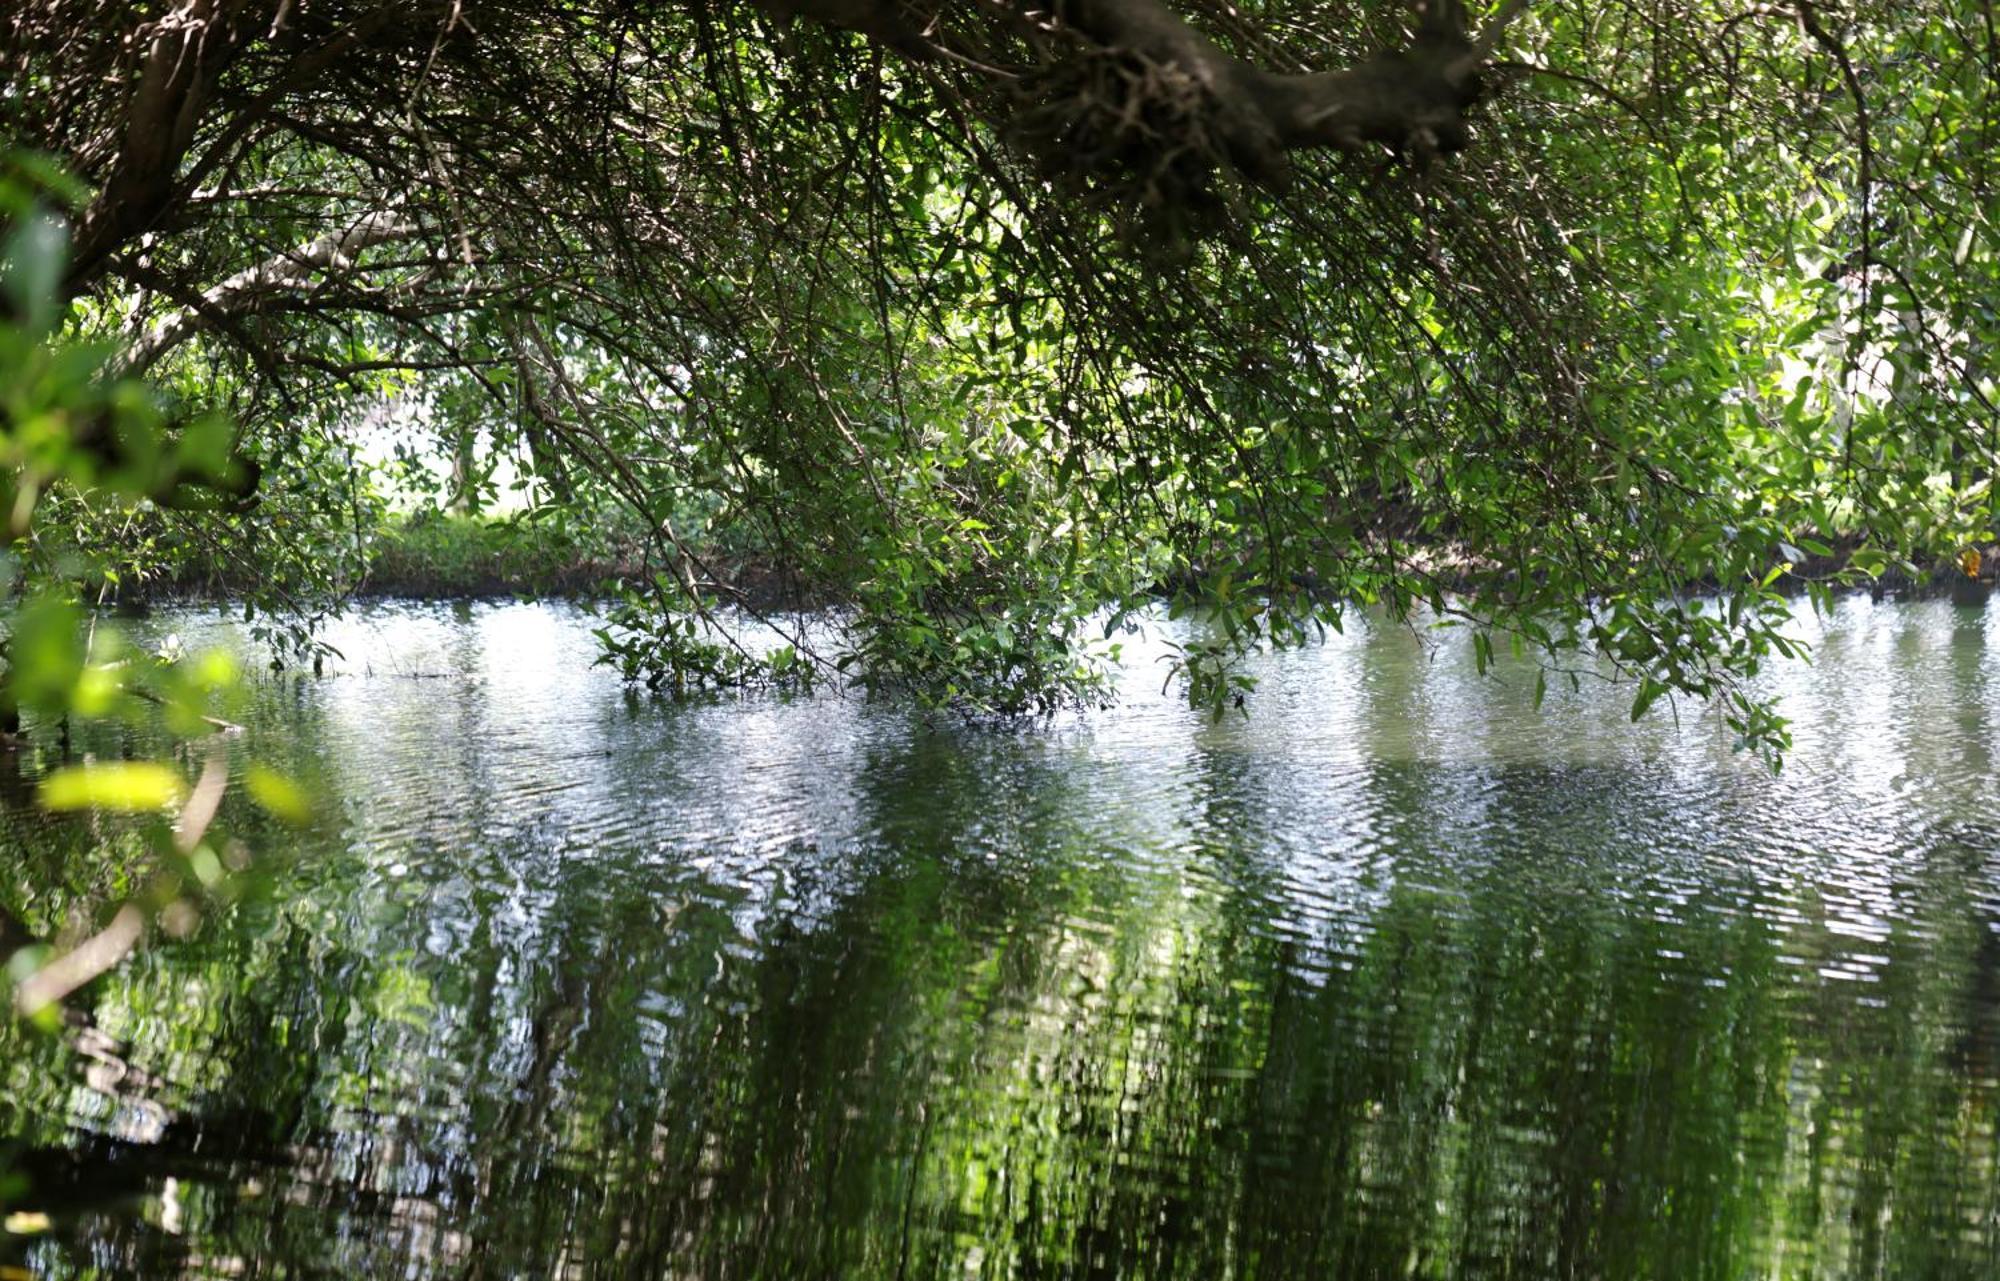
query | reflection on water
[1395, 978]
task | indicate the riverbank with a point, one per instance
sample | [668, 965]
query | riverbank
[436, 556]
[445, 557]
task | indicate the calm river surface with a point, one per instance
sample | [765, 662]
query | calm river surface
[1397, 977]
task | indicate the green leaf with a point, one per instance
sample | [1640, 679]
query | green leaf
[123, 786]
[1649, 693]
[277, 795]
[31, 268]
[45, 654]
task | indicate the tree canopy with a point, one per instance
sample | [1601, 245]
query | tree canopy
[993, 321]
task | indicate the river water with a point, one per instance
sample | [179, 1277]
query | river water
[1397, 977]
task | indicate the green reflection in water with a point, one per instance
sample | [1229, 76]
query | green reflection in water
[1394, 979]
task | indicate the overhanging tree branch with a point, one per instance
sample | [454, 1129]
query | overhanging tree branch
[1124, 77]
[253, 287]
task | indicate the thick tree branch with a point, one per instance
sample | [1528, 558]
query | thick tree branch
[185, 50]
[1410, 101]
[252, 287]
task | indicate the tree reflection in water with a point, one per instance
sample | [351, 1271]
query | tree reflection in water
[1396, 978]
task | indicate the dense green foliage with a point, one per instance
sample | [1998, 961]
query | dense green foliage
[87, 447]
[922, 319]
[929, 346]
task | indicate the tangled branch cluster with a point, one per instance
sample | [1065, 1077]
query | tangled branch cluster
[1132, 135]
